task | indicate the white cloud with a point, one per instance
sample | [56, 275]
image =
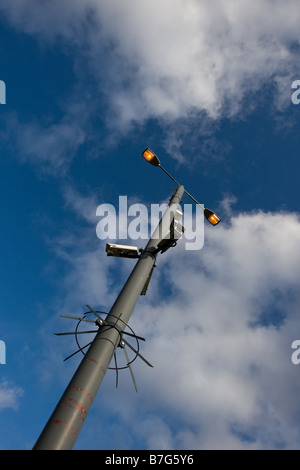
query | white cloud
[171, 59]
[48, 144]
[9, 395]
[52, 147]
[180, 57]
[219, 326]
[185, 63]
[219, 323]
[83, 206]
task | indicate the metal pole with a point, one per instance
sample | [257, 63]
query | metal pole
[64, 425]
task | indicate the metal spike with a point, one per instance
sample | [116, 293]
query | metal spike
[130, 368]
[77, 318]
[76, 333]
[133, 335]
[78, 350]
[136, 352]
[117, 373]
[94, 311]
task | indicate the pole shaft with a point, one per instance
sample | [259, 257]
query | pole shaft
[64, 425]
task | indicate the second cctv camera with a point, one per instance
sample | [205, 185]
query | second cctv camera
[123, 251]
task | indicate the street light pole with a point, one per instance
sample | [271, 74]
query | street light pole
[64, 425]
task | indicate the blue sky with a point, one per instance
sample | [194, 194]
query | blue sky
[207, 86]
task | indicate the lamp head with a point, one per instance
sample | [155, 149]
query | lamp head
[211, 216]
[150, 157]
